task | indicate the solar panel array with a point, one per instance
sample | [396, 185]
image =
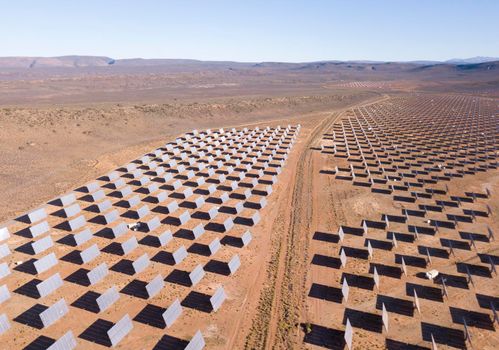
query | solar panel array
[173, 207]
[408, 151]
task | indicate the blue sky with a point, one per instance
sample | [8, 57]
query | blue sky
[244, 30]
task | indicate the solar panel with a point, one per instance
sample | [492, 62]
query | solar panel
[120, 330]
[198, 231]
[72, 210]
[68, 199]
[161, 196]
[77, 223]
[172, 313]
[119, 230]
[113, 176]
[184, 217]
[416, 302]
[348, 335]
[119, 183]
[104, 205]
[108, 298]
[155, 286]
[90, 253]
[66, 342]
[126, 191]
[234, 264]
[255, 218]
[39, 229]
[142, 211]
[165, 238]
[196, 275]
[345, 289]
[369, 249]
[97, 273]
[42, 244]
[153, 224]
[341, 234]
[218, 298]
[111, 217]
[343, 258]
[433, 344]
[82, 237]
[214, 246]
[179, 255]
[141, 263]
[37, 215]
[4, 293]
[384, 316]
[197, 342]
[4, 233]
[55, 312]
[376, 278]
[4, 323]
[4, 250]
[45, 263]
[4, 270]
[50, 285]
[246, 238]
[404, 268]
[129, 245]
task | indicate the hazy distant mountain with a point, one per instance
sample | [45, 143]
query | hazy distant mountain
[103, 61]
[472, 60]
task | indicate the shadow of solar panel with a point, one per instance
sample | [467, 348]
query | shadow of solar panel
[358, 281]
[151, 315]
[355, 252]
[424, 292]
[452, 280]
[324, 337]
[323, 292]
[398, 345]
[97, 333]
[168, 342]
[45, 263]
[477, 270]
[411, 260]
[455, 244]
[326, 237]
[327, 261]
[443, 335]
[218, 267]
[198, 301]
[473, 318]
[50, 285]
[218, 298]
[87, 301]
[378, 244]
[395, 305]
[80, 277]
[31, 317]
[120, 330]
[40, 343]
[364, 320]
[386, 270]
[436, 252]
[155, 286]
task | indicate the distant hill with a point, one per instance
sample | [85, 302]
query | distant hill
[55, 62]
[472, 60]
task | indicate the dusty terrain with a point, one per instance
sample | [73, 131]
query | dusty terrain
[60, 130]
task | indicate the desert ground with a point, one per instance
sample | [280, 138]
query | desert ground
[352, 182]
